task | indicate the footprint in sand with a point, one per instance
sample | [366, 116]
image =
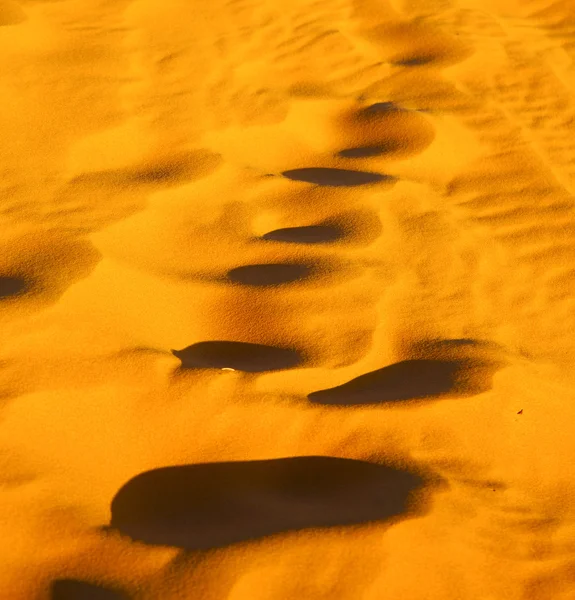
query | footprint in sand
[335, 177]
[468, 374]
[310, 234]
[357, 227]
[211, 505]
[370, 151]
[384, 129]
[313, 272]
[269, 274]
[406, 380]
[240, 356]
[71, 589]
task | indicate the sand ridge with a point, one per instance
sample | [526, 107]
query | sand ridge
[286, 294]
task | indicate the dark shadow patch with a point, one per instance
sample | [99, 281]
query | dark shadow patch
[71, 589]
[380, 107]
[158, 175]
[212, 505]
[12, 286]
[310, 234]
[415, 61]
[406, 380]
[269, 274]
[335, 177]
[362, 152]
[242, 356]
[367, 151]
[352, 227]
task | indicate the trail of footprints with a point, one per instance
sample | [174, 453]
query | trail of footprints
[205, 506]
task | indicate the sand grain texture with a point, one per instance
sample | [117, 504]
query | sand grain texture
[287, 294]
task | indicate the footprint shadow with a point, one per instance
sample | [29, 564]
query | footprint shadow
[406, 380]
[415, 61]
[269, 274]
[212, 505]
[419, 378]
[325, 176]
[352, 227]
[370, 151]
[310, 234]
[378, 108]
[240, 356]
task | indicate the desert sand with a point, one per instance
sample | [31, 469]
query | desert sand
[287, 298]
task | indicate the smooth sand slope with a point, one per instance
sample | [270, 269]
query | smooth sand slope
[287, 300]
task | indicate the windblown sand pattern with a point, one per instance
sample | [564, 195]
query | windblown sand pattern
[287, 294]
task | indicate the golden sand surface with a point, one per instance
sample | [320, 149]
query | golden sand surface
[287, 298]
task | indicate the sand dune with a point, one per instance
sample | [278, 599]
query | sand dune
[286, 296]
